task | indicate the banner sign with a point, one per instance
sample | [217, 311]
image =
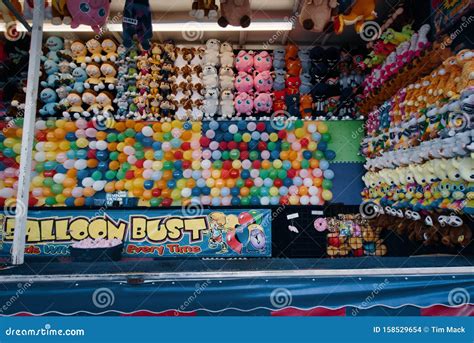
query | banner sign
[148, 233]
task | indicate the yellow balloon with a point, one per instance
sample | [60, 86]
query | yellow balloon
[138, 183]
[158, 136]
[17, 148]
[246, 137]
[277, 164]
[196, 127]
[157, 165]
[210, 182]
[273, 137]
[216, 174]
[300, 132]
[60, 123]
[236, 164]
[149, 155]
[37, 181]
[177, 124]
[322, 127]
[294, 200]
[175, 194]
[274, 191]
[196, 165]
[312, 146]
[181, 183]
[64, 145]
[9, 142]
[166, 127]
[188, 155]
[326, 195]
[128, 185]
[51, 156]
[215, 192]
[82, 142]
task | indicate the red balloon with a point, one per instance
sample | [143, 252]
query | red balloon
[129, 175]
[282, 134]
[278, 183]
[243, 146]
[291, 173]
[244, 155]
[186, 164]
[262, 146]
[261, 127]
[234, 173]
[245, 218]
[32, 201]
[304, 142]
[139, 163]
[166, 202]
[178, 154]
[233, 242]
[49, 173]
[204, 141]
[223, 145]
[91, 154]
[227, 165]
[225, 174]
[284, 200]
[232, 145]
[186, 146]
[256, 164]
[156, 192]
[248, 183]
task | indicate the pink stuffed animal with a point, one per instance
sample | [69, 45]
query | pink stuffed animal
[263, 102]
[262, 61]
[89, 12]
[243, 104]
[244, 61]
[244, 83]
[263, 82]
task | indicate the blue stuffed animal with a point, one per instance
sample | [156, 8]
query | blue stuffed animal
[279, 82]
[306, 84]
[305, 59]
[54, 45]
[279, 59]
[50, 67]
[51, 81]
[80, 76]
[49, 97]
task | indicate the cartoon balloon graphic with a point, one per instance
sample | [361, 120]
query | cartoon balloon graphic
[245, 218]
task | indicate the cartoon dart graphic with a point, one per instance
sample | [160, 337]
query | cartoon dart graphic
[237, 237]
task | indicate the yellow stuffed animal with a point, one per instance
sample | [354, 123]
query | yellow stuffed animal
[361, 11]
[465, 59]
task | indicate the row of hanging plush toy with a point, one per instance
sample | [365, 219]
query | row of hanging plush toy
[100, 80]
[434, 110]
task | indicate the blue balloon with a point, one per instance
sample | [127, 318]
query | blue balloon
[205, 190]
[158, 154]
[323, 164]
[228, 137]
[216, 201]
[245, 174]
[225, 191]
[214, 125]
[235, 191]
[242, 234]
[71, 136]
[196, 175]
[171, 184]
[82, 174]
[148, 184]
[328, 174]
[275, 154]
[307, 154]
[89, 201]
[316, 136]
[330, 155]
[102, 155]
[201, 183]
[254, 200]
[69, 201]
[235, 201]
[103, 166]
[178, 165]
[274, 200]
[81, 153]
[242, 125]
[196, 191]
[322, 146]
[287, 182]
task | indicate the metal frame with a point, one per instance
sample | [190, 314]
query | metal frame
[24, 178]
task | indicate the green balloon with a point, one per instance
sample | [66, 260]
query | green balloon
[245, 201]
[327, 184]
[50, 124]
[225, 155]
[238, 137]
[254, 191]
[167, 136]
[155, 202]
[239, 183]
[263, 173]
[138, 146]
[257, 216]
[57, 188]
[120, 174]
[97, 175]
[18, 122]
[110, 174]
[139, 154]
[273, 174]
[167, 165]
[234, 154]
[304, 164]
[285, 146]
[113, 156]
[271, 146]
[326, 137]
[50, 201]
[130, 132]
[254, 155]
[126, 166]
[3, 146]
[112, 137]
[39, 167]
[299, 123]
[217, 164]
[121, 137]
[73, 146]
[318, 154]
[282, 174]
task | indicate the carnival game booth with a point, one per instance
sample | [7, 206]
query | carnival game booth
[263, 158]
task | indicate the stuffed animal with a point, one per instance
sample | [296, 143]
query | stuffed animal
[293, 67]
[263, 81]
[263, 61]
[293, 84]
[306, 84]
[104, 102]
[80, 76]
[279, 104]
[244, 83]
[226, 55]
[109, 73]
[49, 99]
[75, 109]
[244, 61]
[305, 60]
[226, 78]
[89, 98]
[88, 12]
[465, 60]
[315, 15]
[79, 53]
[227, 108]
[279, 82]
[210, 77]
[235, 13]
[360, 11]
[137, 21]
[54, 45]
[211, 102]
[110, 48]
[263, 103]
[95, 51]
[279, 59]
[211, 54]
[243, 104]
[306, 106]
[94, 77]
[60, 13]
[204, 8]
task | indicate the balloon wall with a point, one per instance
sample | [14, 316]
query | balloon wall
[172, 163]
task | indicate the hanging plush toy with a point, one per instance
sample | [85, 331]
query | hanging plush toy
[361, 11]
[137, 21]
[204, 8]
[316, 14]
[60, 13]
[11, 33]
[235, 13]
[93, 13]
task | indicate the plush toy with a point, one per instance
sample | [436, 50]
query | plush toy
[80, 76]
[279, 104]
[227, 108]
[293, 67]
[54, 45]
[49, 99]
[279, 82]
[235, 13]
[263, 81]
[263, 103]
[305, 60]
[94, 77]
[210, 77]
[306, 84]
[465, 60]
[109, 73]
[244, 83]
[211, 54]
[263, 61]
[65, 73]
[79, 53]
[226, 55]
[89, 99]
[88, 12]
[94, 49]
[306, 106]
[293, 84]
[226, 78]
[204, 8]
[315, 15]
[60, 13]
[211, 102]
[137, 21]
[360, 11]
[279, 59]
[52, 81]
[75, 109]
[394, 37]
[110, 48]
[244, 61]
[243, 104]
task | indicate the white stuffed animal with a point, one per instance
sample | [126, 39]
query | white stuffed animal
[227, 54]
[211, 54]
[209, 76]
[211, 102]
[227, 104]
[226, 78]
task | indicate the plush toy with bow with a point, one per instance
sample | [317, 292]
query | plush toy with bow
[93, 13]
[361, 11]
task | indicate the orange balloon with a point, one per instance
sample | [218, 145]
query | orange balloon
[10, 132]
[167, 175]
[147, 194]
[59, 133]
[50, 137]
[129, 123]
[71, 173]
[169, 156]
[284, 155]
[303, 190]
[122, 157]
[244, 191]
[186, 136]
[88, 192]
[190, 183]
[112, 146]
[19, 132]
[47, 192]
[317, 181]
[156, 127]
[114, 165]
[139, 126]
[129, 141]
[109, 187]
[70, 126]
[120, 185]
[67, 192]
[120, 126]
[161, 184]
[101, 135]
[137, 192]
[69, 182]
[166, 193]
[230, 183]
[79, 201]
[296, 165]
[266, 164]
[293, 155]
[92, 163]
[314, 163]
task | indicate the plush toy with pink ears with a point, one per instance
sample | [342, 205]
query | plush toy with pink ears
[93, 13]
